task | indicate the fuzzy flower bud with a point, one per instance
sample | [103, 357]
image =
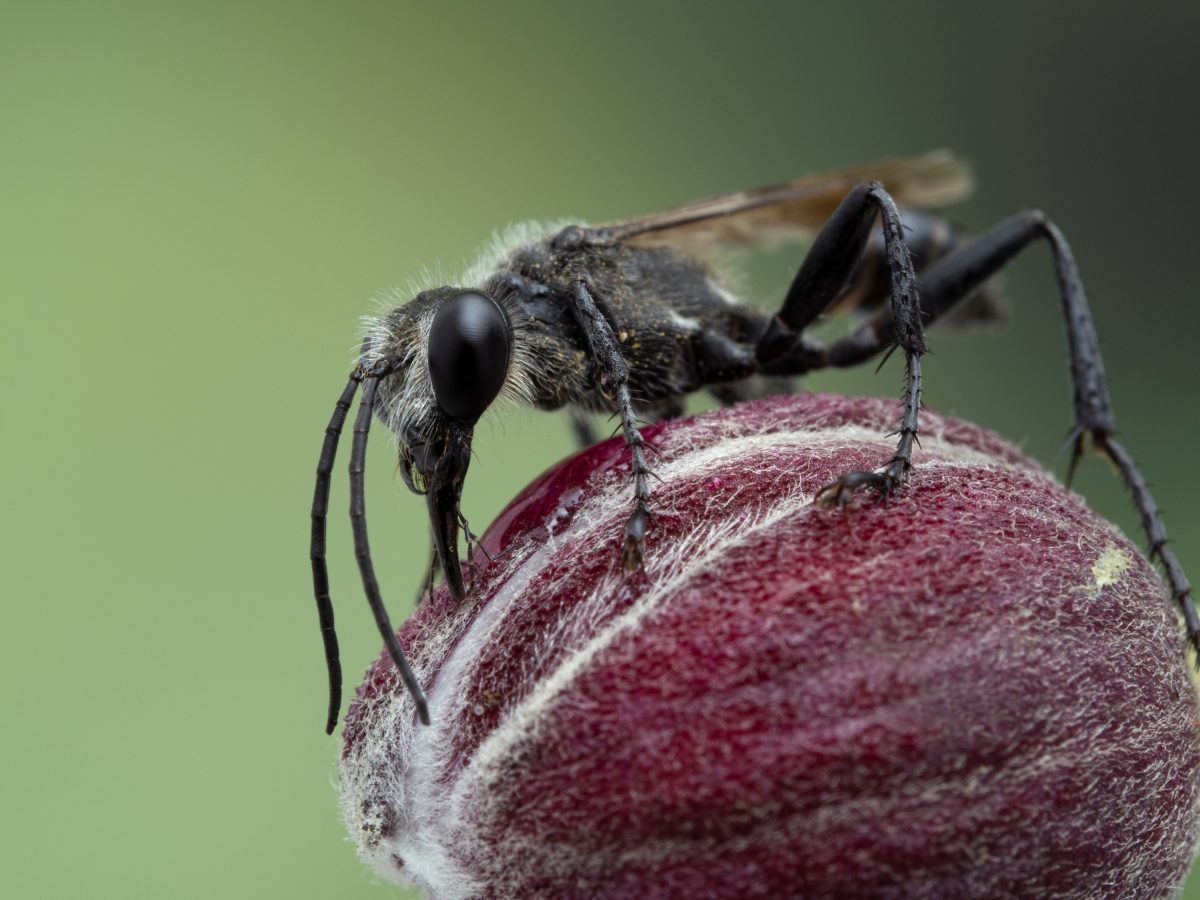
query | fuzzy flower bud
[979, 690]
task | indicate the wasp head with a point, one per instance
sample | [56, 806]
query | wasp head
[446, 357]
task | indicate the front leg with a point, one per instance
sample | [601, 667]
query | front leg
[614, 370]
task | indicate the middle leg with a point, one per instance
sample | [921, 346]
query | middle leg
[822, 277]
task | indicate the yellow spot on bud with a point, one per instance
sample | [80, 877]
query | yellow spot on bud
[1108, 568]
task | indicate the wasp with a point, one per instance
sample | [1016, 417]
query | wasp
[628, 318]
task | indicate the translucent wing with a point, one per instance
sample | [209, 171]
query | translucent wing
[791, 211]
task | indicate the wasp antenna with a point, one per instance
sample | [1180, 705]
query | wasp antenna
[320, 571]
[362, 547]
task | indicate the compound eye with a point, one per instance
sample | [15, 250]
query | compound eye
[469, 346]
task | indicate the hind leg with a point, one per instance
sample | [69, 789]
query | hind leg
[951, 280]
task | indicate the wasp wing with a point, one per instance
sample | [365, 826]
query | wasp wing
[792, 211]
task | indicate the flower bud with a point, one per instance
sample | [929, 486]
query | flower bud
[978, 689]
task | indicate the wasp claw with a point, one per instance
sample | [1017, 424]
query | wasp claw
[635, 538]
[837, 494]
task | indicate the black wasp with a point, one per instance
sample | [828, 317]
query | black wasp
[628, 318]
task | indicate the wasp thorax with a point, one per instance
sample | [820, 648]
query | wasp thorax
[469, 347]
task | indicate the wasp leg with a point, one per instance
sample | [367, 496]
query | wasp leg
[830, 264]
[754, 388]
[666, 410]
[472, 540]
[930, 237]
[955, 277]
[615, 372]
[662, 411]
[581, 425]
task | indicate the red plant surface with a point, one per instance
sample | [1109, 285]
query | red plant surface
[978, 690]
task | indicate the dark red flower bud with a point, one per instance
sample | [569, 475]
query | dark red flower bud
[979, 690]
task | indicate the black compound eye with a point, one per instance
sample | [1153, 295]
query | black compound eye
[469, 346]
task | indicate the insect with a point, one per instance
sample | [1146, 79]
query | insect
[630, 317]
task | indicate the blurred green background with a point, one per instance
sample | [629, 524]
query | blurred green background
[197, 202]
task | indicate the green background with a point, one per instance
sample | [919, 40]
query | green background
[196, 204]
